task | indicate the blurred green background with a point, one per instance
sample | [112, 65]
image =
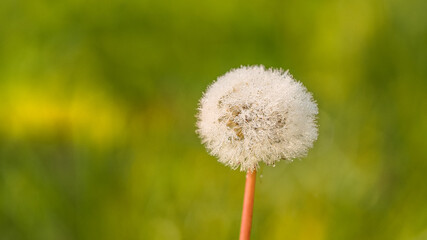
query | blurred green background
[97, 126]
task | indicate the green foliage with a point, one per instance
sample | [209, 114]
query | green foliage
[97, 126]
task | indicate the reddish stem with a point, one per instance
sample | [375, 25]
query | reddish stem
[248, 205]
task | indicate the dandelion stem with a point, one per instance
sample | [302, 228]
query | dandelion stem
[248, 204]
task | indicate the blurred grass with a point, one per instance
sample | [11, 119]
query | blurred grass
[97, 105]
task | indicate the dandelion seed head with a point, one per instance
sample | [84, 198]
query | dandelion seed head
[252, 115]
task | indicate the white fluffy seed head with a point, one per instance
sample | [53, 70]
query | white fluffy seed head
[252, 115]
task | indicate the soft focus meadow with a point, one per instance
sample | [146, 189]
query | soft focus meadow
[97, 125]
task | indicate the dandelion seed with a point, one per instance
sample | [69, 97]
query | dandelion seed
[252, 115]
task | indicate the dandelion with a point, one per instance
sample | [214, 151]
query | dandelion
[252, 115]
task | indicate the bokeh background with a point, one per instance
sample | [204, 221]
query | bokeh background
[97, 126]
